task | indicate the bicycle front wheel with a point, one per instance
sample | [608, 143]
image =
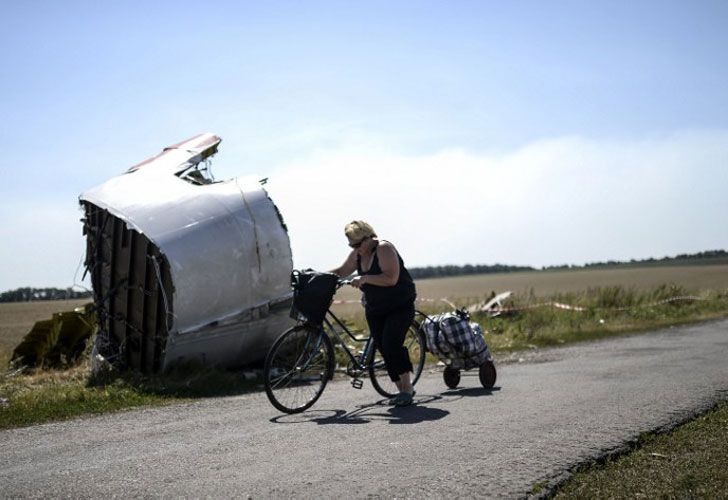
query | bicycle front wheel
[414, 341]
[297, 368]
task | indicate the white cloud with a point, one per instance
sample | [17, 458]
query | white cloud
[563, 200]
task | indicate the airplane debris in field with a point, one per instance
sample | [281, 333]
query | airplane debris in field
[56, 342]
[494, 306]
[185, 267]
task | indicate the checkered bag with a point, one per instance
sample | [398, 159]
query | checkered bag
[455, 340]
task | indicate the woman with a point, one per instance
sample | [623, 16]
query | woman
[389, 300]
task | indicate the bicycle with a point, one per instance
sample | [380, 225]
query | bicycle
[301, 361]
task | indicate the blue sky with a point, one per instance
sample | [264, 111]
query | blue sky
[516, 132]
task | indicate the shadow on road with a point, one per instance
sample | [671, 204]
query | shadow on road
[365, 414]
[471, 391]
[381, 410]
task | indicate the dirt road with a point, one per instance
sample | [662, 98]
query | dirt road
[545, 416]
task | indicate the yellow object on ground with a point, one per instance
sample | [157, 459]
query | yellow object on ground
[58, 341]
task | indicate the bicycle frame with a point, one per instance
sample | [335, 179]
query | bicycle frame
[360, 362]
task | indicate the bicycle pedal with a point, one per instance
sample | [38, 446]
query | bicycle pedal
[357, 383]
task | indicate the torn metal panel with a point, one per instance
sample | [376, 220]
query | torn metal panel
[184, 267]
[56, 342]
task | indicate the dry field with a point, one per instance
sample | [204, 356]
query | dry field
[16, 319]
[466, 290]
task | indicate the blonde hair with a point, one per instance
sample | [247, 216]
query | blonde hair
[358, 230]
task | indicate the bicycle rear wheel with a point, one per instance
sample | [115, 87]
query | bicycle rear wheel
[297, 368]
[414, 341]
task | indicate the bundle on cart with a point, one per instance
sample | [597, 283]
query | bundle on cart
[460, 344]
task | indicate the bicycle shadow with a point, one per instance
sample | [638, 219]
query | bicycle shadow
[364, 414]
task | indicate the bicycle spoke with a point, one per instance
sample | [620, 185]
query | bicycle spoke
[297, 368]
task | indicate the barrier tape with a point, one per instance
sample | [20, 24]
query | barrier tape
[568, 307]
[495, 310]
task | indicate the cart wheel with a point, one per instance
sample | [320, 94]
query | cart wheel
[451, 376]
[487, 374]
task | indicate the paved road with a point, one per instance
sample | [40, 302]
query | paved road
[544, 417]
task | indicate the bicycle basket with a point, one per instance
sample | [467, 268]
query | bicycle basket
[312, 293]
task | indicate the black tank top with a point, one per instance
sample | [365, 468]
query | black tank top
[383, 299]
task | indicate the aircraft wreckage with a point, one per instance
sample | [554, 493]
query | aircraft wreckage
[183, 267]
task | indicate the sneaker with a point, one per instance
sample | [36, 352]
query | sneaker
[393, 401]
[404, 399]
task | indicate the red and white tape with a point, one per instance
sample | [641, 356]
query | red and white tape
[557, 305]
[568, 307]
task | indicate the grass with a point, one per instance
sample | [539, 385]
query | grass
[46, 395]
[608, 311]
[56, 395]
[50, 395]
[688, 462]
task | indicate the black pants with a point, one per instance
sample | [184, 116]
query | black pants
[389, 331]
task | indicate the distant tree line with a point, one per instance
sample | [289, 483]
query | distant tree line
[28, 294]
[442, 271]
[707, 257]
